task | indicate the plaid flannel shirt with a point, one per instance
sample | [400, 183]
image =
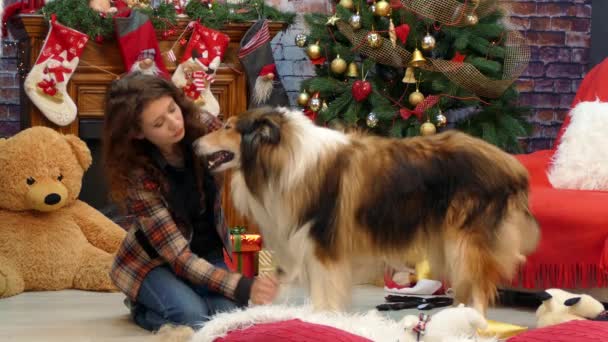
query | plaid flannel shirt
[154, 238]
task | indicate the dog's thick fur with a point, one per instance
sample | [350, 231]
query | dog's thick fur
[325, 200]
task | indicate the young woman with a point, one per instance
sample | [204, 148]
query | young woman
[170, 265]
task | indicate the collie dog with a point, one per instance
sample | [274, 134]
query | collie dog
[327, 201]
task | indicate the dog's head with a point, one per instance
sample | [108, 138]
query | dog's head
[241, 139]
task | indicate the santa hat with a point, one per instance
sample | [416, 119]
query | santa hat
[268, 71]
[207, 46]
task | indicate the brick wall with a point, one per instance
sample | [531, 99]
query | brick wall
[9, 86]
[558, 32]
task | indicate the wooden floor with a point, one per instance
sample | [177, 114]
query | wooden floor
[88, 316]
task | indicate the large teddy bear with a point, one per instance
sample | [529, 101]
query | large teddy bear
[49, 240]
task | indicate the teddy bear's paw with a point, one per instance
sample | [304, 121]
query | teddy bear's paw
[10, 282]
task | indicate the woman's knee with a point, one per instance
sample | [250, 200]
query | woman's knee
[190, 314]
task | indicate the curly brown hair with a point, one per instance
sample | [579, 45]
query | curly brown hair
[122, 150]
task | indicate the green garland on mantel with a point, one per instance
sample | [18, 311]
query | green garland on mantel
[78, 15]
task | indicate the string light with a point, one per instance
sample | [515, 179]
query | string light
[21, 69]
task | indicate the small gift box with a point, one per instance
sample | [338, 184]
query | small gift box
[245, 248]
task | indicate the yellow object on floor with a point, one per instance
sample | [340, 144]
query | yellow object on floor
[501, 330]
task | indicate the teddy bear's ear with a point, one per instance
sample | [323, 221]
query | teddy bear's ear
[82, 152]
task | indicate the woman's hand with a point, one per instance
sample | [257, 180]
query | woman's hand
[264, 289]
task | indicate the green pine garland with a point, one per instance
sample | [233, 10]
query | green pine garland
[78, 15]
[499, 121]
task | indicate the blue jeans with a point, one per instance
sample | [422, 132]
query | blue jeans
[166, 299]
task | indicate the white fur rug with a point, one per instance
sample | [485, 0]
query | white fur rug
[371, 325]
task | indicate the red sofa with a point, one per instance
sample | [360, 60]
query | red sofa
[573, 250]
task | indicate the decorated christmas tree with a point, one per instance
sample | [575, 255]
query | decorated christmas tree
[411, 67]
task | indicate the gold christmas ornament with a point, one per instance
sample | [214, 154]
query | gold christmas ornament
[300, 40]
[338, 65]
[353, 70]
[348, 4]
[428, 42]
[471, 19]
[371, 120]
[409, 76]
[355, 21]
[442, 121]
[417, 59]
[303, 98]
[315, 103]
[324, 106]
[391, 32]
[382, 9]
[374, 39]
[428, 128]
[313, 51]
[416, 97]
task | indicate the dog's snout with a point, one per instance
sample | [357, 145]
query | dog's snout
[52, 199]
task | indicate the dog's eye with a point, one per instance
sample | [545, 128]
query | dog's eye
[227, 127]
[30, 181]
[60, 178]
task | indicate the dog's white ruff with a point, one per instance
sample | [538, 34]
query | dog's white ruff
[371, 325]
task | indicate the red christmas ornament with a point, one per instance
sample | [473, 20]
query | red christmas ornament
[361, 90]
[99, 39]
[402, 31]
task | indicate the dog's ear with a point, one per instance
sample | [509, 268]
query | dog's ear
[260, 130]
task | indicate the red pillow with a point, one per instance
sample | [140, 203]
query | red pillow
[293, 330]
[573, 331]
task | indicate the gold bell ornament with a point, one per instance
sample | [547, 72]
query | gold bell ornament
[338, 65]
[303, 98]
[348, 4]
[313, 51]
[418, 59]
[428, 128]
[353, 70]
[409, 76]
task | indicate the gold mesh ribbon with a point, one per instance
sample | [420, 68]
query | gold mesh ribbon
[467, 76]
[449, 12]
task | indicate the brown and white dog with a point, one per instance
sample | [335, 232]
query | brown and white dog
[325, 201]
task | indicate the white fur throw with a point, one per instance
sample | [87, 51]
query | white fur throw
[371, 325]
[581, 159]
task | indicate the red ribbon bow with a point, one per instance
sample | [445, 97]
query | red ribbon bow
[428, 102]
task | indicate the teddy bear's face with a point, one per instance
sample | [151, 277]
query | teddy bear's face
[41, 170]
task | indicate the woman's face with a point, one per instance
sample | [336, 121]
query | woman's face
[162, 122]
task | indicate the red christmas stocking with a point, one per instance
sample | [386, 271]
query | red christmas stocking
[138, 44]
[46, 83]
[198, 66]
